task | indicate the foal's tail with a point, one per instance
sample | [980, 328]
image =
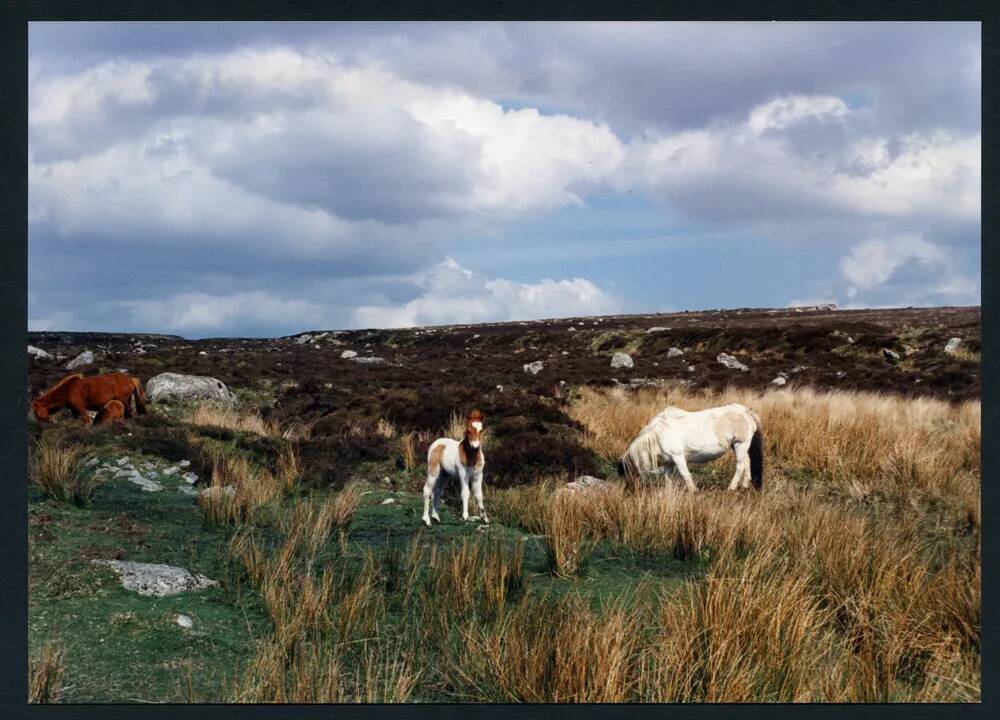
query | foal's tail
[757, 454]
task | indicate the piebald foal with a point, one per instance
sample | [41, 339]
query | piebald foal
[463, 459]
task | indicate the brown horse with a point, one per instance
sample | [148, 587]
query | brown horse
[113, 411]
[81, 394]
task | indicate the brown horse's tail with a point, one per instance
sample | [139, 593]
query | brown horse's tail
[139, 395]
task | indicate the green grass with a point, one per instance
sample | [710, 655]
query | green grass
[123, 647]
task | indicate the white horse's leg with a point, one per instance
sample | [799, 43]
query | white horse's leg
[681, 464]
[463, 477]
[741, 475]
[428, 491]
[477, 490]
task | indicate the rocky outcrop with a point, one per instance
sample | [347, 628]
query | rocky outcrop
[84, 358]
[155, 580]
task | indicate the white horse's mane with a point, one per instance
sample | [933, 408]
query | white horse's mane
[644, 451]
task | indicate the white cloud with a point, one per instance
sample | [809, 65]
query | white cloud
[774, 167]
[907, 268]
[783, 112]
[199, 313]
[302, 130]
[453, 294]
[874, 261]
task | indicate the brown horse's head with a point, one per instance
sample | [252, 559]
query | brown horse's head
[41, 410]
[474, 428]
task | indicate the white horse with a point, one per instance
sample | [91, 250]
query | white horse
[676, 437]
[463, 459]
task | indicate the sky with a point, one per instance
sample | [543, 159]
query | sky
[262, 179]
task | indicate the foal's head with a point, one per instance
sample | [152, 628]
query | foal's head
[474, 428]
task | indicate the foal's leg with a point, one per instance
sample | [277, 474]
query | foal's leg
[428, 491]
[463, 477]
[477, 489]
[436, 500]
[681, 464]
[742, 473]
[80, 412]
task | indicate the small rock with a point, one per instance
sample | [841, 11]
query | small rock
[388, 501]
[571, 329]
[386, 481]
[534, 367]
[499, 388]
[779, 381]
[184, 463]
[202, 352]
[172, 470]
[674, 352]
[368, 360]
[122, 461]
[90, 463]
[588, 482]
[890, 355]
[657, 329]
[38, 353]
[187, 490]
[217, 491]
[730, 362]
[621, 360]
[690, 368]
[951, 347]
[190, 478]
[84, 358]
[303, 339]
[184, 621]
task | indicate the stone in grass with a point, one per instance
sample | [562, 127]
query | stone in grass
[184, 621]
[534, 367]
[155, 580]
[389, 501]
[621, 360]
[217, 491]
[172, 470]
[190, 478]
[730, 362]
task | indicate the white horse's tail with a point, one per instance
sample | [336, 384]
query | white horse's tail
[757, 453]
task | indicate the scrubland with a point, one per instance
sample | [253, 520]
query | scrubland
[853, 576]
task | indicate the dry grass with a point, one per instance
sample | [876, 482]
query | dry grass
[408, 450]
[45, 675]
[254, 489]
[858, 441]
[56, 469]
[854, 577]
[231, 418]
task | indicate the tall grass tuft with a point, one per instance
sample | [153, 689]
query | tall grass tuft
[56, 469]
[45, 675]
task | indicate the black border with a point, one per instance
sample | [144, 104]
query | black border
[13, 314]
